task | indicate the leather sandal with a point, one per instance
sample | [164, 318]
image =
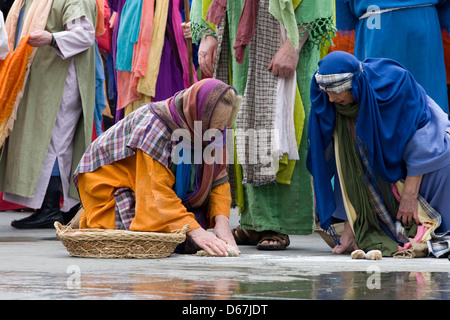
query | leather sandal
[281, 238]
[246, 237]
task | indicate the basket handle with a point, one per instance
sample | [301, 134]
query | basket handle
[183, 230]
[58, 226]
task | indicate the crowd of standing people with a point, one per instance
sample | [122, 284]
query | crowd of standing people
[320, 113]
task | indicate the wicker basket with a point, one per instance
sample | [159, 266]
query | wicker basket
[102, 243]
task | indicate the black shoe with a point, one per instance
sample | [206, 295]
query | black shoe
[44, 217]
[68, 216]
[38, 220]
[29, 218]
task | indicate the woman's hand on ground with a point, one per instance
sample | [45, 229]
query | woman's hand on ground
[222, 231]
[208, 242]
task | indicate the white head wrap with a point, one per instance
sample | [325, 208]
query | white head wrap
[336, 82]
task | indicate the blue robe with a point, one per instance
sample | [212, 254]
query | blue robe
[428, 153]
[410, 36]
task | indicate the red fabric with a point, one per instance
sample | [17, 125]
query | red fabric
[246, 26]
[6, 206]
[104, 41]
[246, 29]
[446, 43]
[343, 42]
[94, 132]
[216, 11]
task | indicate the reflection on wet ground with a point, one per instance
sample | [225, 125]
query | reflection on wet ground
[353, 285]
[33, 265]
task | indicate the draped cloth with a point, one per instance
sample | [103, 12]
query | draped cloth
[13, 71]
[100, 25]
[128, 34]
[181, 44]
[158, 66]
[128, 80]
[147, 84]
[282, 10]
[36, 18]
[393, 108]
[16, 67]
[286, 206]
[4, 44]
[216, 11]
[246, 28]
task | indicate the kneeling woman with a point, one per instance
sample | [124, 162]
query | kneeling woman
[128, 178]
[377, 132]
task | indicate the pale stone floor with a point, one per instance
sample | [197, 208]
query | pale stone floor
[35, 265]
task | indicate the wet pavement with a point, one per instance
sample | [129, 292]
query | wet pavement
[35, 265]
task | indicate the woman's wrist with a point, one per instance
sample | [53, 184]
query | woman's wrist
[412, 186]
[221, 219]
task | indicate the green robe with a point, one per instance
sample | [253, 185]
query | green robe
[26, 148]
[286, 208]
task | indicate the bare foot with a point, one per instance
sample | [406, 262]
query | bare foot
[347, 241]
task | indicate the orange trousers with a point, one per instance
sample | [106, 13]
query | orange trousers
[157, 206]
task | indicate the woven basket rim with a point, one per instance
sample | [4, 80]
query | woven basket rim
[68, 233]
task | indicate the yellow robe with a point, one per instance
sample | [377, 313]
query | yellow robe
[158, 208]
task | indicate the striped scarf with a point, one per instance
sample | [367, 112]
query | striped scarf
[363, 188]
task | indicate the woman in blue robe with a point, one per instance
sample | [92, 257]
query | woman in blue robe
[407, 31]
[387, 130]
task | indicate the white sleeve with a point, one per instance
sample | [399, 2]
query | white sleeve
[4, 44]
[78, 37]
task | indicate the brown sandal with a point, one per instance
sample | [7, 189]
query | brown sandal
[246, 237]
[281, 238]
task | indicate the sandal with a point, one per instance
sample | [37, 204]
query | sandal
[281, 238]
[246, 237]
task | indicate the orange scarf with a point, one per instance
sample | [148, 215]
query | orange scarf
[12, 79]
[15, 68]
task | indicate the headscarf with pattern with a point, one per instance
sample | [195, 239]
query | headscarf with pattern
[182, 111]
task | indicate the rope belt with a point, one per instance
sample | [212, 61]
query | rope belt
[374, 12]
